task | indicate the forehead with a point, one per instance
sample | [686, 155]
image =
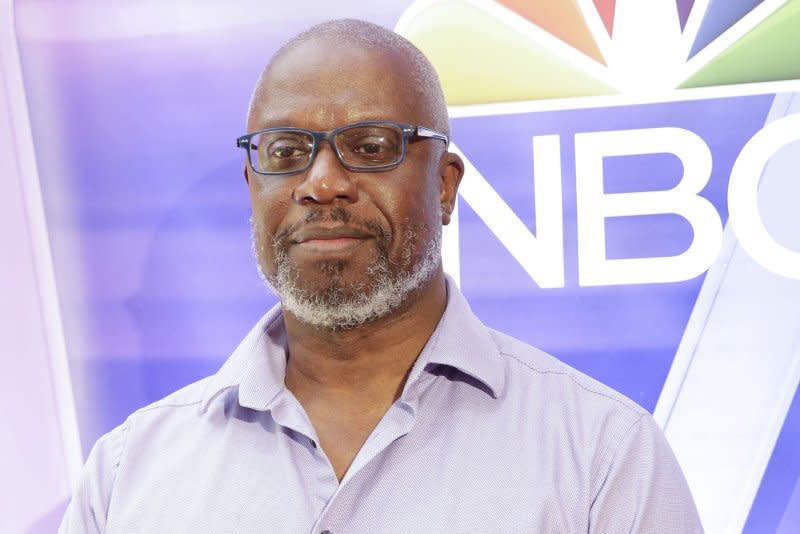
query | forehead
[323, 84]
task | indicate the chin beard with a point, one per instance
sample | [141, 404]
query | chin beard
[341, 304]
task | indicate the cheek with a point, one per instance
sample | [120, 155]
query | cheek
[269, 201]
[420, 201]
[269, 205]
[414, 207]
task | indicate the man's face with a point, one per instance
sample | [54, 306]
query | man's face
[340, 247]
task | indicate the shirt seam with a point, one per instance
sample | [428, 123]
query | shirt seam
[608, 456]
[120, 442]
[575, 381]
[172, 405]
[610, 450]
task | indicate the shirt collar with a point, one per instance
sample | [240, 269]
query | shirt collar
[462, 341]
[258, 365]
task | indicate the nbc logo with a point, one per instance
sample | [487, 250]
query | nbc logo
[630, 205]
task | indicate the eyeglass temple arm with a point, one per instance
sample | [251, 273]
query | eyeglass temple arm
[427, 132]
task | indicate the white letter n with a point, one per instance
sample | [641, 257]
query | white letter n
[541, 256]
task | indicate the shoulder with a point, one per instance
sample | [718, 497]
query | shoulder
[525, 364]
[151, 425]
[566, 405]
[164, 416]
[187, 396]
[176, 409]
[627, 450]
[184, 400]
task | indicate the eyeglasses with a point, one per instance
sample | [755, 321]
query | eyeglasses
[363, 146]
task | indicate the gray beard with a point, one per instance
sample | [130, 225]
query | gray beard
[341, 305]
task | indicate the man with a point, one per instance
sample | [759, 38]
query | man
[372, 399]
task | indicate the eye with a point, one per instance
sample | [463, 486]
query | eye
[373, 148]
[288, 148]
[369, 145]
[286, 152]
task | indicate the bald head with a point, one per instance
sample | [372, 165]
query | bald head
[411, 68]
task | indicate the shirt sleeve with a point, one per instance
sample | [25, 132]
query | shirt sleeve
[88, 510]
[644, 490]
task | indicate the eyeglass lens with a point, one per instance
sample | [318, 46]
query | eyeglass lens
[364, 146]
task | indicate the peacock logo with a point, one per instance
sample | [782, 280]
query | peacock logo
[512, 50]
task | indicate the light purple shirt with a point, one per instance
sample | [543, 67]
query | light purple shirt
[489, 435]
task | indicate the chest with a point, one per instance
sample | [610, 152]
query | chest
[341, 434]
[424, 472]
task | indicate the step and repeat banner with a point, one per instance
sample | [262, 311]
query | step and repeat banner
[630, 203]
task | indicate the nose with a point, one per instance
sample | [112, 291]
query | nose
[326, 180]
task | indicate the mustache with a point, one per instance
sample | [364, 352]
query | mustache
[335, 214]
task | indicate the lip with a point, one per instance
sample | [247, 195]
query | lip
[321, 240]
[328, 233]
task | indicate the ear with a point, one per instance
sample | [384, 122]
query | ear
[451, 169]
[246, 175]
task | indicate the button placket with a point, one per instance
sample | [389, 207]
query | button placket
[396, 423]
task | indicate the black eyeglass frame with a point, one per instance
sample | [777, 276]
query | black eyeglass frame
[410, 133]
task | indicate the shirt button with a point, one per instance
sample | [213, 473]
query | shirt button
[325, 532]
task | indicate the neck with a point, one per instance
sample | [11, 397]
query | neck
[370, 362]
